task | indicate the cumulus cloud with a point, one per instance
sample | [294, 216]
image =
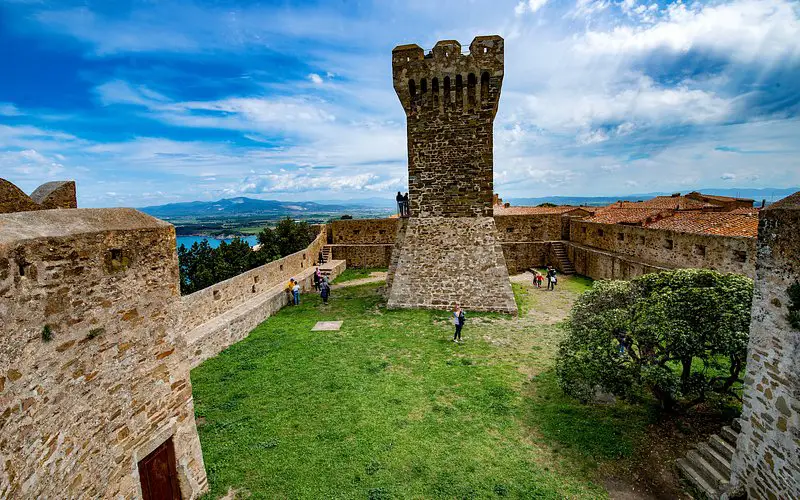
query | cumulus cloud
[727, 176]
[315, 79]
[747, 30]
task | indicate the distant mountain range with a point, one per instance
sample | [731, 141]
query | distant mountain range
[239, 206]
[243, 206]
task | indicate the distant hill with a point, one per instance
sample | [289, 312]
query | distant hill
[239, 206]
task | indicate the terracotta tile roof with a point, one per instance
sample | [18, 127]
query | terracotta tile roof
[664, 202]
[638, 215]
[732, 223]
[713, 197]
[562, 209]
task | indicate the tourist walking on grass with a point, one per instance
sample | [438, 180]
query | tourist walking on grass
[458, 322]
[324, 289]
[289, 290]
[317, 279]
[296, 293]
[551, 279]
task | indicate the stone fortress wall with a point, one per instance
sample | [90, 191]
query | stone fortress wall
[80, 410]
[617, 251]
[97, 346]
[596, 249]
[767, 459]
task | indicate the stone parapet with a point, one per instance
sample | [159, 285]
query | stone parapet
[767, 459]
[93, 372]
[50, 195]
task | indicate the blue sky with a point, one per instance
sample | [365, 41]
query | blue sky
[146, 102]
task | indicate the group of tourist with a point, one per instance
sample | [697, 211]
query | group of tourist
[551, 278]
[402, 204]
[321, 285]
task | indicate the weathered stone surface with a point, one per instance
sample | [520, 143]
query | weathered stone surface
[446, 260]
[78, 411]
[57, 194]
[84, 409]
[767, 459]
[616, 251]
[450, 102]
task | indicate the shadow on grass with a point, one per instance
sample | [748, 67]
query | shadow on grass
[595, 431]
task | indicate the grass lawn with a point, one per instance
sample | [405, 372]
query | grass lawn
[351, 274]
[390, 407]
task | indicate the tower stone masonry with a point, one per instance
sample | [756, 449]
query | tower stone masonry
[448, 251]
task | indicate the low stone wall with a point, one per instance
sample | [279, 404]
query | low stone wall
[203, 305]
[767, 459]
[213, 337]
[363, 256]
[362, 231]
[532, 227]
[664, 248]
[599, 264]
[523, 255]
[80, 410]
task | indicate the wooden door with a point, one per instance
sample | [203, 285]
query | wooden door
[158, 474]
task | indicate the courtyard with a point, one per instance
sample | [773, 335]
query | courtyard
[390, 407]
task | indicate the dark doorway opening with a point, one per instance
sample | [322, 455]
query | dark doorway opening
[158, 475]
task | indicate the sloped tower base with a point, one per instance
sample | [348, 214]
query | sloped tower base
[441, 261]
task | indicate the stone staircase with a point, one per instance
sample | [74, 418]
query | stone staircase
[563, 259]
[326, 254]
[707, 467]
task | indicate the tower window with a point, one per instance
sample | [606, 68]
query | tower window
[412, 88]
[423, 85]
[485, 86]
[459, 91]
[471, 82]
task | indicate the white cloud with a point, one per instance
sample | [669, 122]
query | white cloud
[746, 30]
[727, 176]
[8, 109]
[531, 6]
[315, 79]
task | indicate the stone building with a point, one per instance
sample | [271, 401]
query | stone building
[96, 345]
[767, 459]
[448, 252]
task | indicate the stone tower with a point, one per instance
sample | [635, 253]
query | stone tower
[448, 251]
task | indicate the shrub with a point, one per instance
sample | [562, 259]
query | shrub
[678, 335]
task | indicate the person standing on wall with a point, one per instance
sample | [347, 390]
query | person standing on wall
[399, 199]
[405, 205]
[458, 322]
[324, 289]
[296, 293]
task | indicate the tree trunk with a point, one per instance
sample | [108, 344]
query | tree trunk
[686, 363]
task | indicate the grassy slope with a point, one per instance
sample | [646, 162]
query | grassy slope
[389, 407]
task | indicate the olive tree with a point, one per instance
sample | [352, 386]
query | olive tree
[679, 335]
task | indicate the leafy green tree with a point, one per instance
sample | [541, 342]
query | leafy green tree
[679, 335]
[547, 204]
[202, 266]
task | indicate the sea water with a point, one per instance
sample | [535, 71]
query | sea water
[213, 242]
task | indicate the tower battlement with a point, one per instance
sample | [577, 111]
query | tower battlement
[447, 80]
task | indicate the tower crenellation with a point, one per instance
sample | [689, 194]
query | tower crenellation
[450, 99]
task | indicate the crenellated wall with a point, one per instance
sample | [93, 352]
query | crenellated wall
[50, 195]
[363, 231]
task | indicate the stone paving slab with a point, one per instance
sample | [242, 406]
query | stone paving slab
[327, 326]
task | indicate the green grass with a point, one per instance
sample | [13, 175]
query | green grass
[389, 407]
[356, 274]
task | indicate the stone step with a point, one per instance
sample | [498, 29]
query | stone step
[712, 476]
[729, 435]
[713, 457]
[697, 480]
[722, 447]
